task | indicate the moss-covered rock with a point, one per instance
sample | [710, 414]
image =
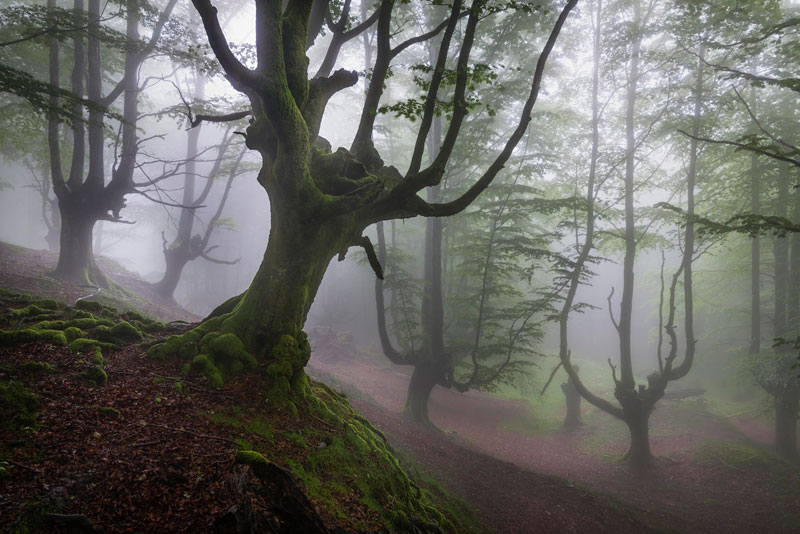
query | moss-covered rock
[31, 310]
[125, 331]
[83, 345]
[188, 351]
[72, 333]
[230, 355]
[95, 376]
[153, 327]
[27, 335]
[160, 352]
[203, 364]
[103, 333]
[87, 323]
[18, 406]
[50, 325]
[89, 305]
[136, 316]
[34, 367]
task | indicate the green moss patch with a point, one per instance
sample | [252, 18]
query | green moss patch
[126, 332]
[72, 333]
[216, 355]
[34, 367]
[90, 305]
[31, 310]
[18, 406]
[88, 346]
[95, 376]
[27, 335]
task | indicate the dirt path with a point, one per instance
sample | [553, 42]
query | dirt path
[681, 495]
[510, 499]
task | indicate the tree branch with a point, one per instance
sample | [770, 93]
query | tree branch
[240, 77]
[610, 311]
[431, 175]
[743, 146]
[235, 116]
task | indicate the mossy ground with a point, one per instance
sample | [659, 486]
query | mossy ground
[344, 464]
[341, 463]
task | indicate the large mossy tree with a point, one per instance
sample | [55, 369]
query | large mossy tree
[321, 201]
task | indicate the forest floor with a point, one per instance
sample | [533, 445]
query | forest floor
[29, 271]
[713, 474]
[155, 448]
[152, 449]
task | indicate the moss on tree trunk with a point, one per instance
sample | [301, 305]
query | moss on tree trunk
[283, 289]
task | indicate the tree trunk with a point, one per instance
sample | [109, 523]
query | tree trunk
[626, 304]
[76, 258]
[176, 259]
[573, 399]
[755, 261]
[280, 296]
[793, 298]
[639, 454]
[781, 253]
[786, 413]
[424, 378]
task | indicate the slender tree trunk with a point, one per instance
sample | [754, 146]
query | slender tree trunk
[573, 400]
[755, 260]
[626, 304]
[175, 260]
[432, 365]
[781, 253]
[786, 414]
[793, 297]
[180, 252]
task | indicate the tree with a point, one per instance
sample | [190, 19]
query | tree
[322, 201]
[84, 197]
[634, 403]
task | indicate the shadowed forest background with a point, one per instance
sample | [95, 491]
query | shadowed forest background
[379, 266]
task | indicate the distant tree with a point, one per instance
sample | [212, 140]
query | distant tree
[86, 197]
[635, 403]
[188, 245]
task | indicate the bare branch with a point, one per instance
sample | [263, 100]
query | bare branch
[172, 204]
[552, 374]
[428, 177]
[610, 311]
[206, 257]
[743, 146]
[235, 116]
